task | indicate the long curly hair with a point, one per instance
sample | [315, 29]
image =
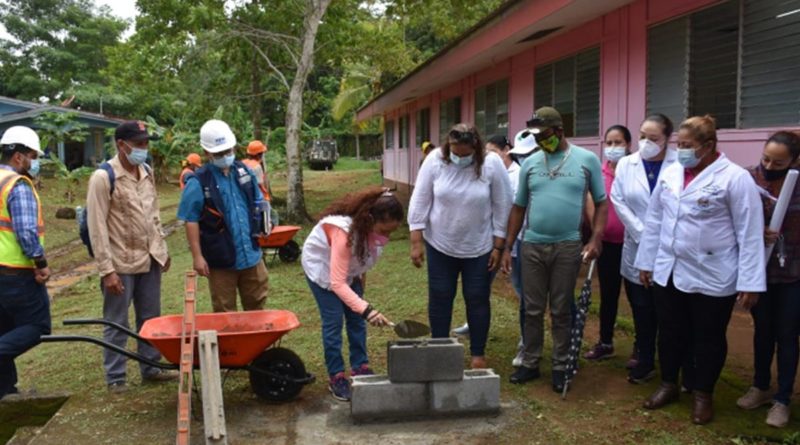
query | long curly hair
[365, 207]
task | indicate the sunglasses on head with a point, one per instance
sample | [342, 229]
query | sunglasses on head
[462, 137]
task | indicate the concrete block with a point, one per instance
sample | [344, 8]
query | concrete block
[375, 397]
[426, 360]
[478, 392]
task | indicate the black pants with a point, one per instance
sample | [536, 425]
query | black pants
[692, 326]
[645, 321]
[610, 282]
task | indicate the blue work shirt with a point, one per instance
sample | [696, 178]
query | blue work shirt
[24, 212]
[237, 215]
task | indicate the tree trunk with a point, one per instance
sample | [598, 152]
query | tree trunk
[358, 148]
[295, 200]
[256, 100]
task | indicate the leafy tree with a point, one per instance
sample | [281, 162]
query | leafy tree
[57, 128]
[57, 45]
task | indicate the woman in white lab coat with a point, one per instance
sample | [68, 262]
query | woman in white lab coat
[702, 249]
[636, 177]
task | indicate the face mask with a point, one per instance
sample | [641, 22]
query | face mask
[137, 156]
[550, 144]
[379, 240]
[773, 175]
[615, 153]
[460, 161]
[687, 157]
[224, 162]
[648, 149]
[33, 170]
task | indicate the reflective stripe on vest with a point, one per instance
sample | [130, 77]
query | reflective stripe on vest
[11, 254]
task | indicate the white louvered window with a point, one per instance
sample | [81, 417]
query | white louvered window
[572, 86]
[491, 109]
[449, 115]
[423, 128]
[737, 61]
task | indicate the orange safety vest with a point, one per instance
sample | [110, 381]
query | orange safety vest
[257, 168]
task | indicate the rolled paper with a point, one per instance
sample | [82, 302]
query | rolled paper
[781, 206]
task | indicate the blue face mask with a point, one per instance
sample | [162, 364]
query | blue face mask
[460, 161]
[224, 162]
[137, 156]
[687, 157]
[34, 168]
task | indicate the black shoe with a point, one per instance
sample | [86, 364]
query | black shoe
[559, 377]
[523, 374]
[641, 374]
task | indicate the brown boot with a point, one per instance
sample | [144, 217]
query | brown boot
[703, 409]
[664, 395]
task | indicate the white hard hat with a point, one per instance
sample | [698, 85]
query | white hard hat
[22, 136]
[216, 136]
[524, 143]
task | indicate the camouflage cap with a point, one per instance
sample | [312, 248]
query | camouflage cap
[543, 118]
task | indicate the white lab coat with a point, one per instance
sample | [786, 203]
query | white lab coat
[708, 237]
[630, 193]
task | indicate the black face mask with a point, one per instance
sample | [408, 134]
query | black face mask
[773, 175]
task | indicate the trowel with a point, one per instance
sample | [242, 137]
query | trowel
[410, 329]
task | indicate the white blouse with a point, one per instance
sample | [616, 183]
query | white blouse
[458, 212]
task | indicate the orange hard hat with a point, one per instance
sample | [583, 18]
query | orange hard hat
[194, 159]
[256, 147]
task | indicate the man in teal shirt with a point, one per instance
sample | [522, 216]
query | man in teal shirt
[553, 184]
[221, 205]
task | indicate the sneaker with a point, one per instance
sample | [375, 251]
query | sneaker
[362, 370]
[641, 374]
[778, 415]
[600, 351]
[633, 360]
[463, 330]
[517, 361]
[340, 387]
[754, 398]
[523, 374]
[559, 380]
[162, 375]
[117, 387]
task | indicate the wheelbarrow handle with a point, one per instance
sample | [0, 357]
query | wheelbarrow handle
[117, 326]
[115, 348]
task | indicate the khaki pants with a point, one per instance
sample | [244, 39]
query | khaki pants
[549, 272]
[252, 284]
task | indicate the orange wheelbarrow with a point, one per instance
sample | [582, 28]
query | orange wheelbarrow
[280, 243]
[246, 341]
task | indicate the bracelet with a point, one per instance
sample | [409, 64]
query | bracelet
[499, 248]
[365, 315]
[40, 263]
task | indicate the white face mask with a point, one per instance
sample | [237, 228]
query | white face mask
[614, 153]
[648, 149]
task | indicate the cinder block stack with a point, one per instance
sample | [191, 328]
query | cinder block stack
[426, 379]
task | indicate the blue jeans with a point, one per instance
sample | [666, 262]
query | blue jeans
[334, 314]
[777, 324]
[24, 316]
[476, 286]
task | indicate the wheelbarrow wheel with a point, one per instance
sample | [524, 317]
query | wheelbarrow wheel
[289, 252]
[281, 366]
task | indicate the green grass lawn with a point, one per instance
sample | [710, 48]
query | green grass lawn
[601, 408]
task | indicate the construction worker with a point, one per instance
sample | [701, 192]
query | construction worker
[190, 164]
[255, 156]
[24, 302]
[222, 209]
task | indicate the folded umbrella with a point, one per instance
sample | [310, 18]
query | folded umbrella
[576, 338]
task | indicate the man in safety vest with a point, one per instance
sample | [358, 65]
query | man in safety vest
[24, 303]
[190, 165]
[255, 157]
[222, 208]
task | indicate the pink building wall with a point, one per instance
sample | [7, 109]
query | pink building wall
[622, 38]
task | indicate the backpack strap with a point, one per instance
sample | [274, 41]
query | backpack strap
[111, 176]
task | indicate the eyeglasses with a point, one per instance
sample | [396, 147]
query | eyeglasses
[462, 137]
[221, 154]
